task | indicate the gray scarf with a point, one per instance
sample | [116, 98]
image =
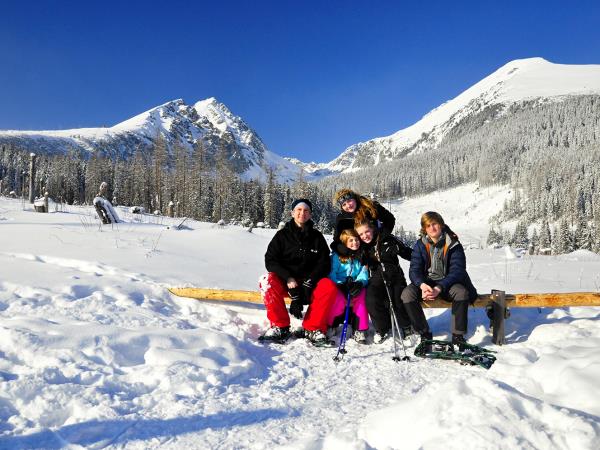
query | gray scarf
[437, 269]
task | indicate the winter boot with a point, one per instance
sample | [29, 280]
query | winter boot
[459, 340]
[278, 334]
[380, 336]
[427, 336]
[317, 338]
[406, 332]
[360, 336]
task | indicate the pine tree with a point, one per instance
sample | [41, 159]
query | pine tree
[583, 239]
[141, 181]
[224, 182]
[159, 166]
[270, 200]
[287, 205]
[179, 188]
[545, 241]
[199, 181]
[520, 238]
[564, 240]
[534, 243]
[494, 238]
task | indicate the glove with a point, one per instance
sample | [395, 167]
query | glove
[343, 287]
[297, 297]
[308, 286]
[296, 308]
[354, 288]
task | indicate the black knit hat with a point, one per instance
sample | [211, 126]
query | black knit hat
[302, 200]
[344, 198]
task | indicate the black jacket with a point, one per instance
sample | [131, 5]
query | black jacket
[345, 220]
[385, 249]
[297, 253]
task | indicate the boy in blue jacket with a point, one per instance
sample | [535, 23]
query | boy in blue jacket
[438, 269]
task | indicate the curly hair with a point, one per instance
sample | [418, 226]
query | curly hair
[365, 208]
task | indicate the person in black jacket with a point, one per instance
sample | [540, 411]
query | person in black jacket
[357, 208]
[298, 264]
[438, 269]
[382, 250]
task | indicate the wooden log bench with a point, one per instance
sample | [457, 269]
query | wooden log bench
[497, 303]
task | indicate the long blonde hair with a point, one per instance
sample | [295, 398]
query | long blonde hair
[344, 236]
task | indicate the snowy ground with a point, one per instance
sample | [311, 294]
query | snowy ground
[95, 353]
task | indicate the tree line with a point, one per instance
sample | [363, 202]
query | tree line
[201, 184]
[548, 152]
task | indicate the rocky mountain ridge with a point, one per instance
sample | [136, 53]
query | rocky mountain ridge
[207, 121]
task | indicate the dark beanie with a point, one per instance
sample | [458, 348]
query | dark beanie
[302, 200]
[344, 198]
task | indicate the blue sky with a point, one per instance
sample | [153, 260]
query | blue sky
[311, 77]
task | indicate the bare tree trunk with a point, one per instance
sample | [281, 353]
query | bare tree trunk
[31, 177]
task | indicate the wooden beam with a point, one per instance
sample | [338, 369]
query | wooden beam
[550, 300]
[220, 295]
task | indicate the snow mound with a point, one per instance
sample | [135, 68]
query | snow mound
[482, 412]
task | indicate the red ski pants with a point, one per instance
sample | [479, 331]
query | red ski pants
[273, 291]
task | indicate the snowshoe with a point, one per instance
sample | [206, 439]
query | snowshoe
[462, 353]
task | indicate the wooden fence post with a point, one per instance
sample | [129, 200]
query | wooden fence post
[499, 313]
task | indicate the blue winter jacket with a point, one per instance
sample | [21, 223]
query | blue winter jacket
[454, 262]
[353, 268]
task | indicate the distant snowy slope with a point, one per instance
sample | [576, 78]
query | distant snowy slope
[517, 81]
[466, 209]
[178, 123]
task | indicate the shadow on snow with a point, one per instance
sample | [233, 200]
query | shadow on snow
[99, 433]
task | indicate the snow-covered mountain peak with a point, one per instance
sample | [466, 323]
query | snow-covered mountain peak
[209, 121]
[516, 81]
[218, 114]
[152, 120]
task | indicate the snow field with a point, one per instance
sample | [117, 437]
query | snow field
[95, 353]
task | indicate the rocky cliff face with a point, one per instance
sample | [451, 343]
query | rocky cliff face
[208, 121]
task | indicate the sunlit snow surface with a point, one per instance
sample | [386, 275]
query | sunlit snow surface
[95, 353]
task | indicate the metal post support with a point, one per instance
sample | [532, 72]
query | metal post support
[499, 314]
